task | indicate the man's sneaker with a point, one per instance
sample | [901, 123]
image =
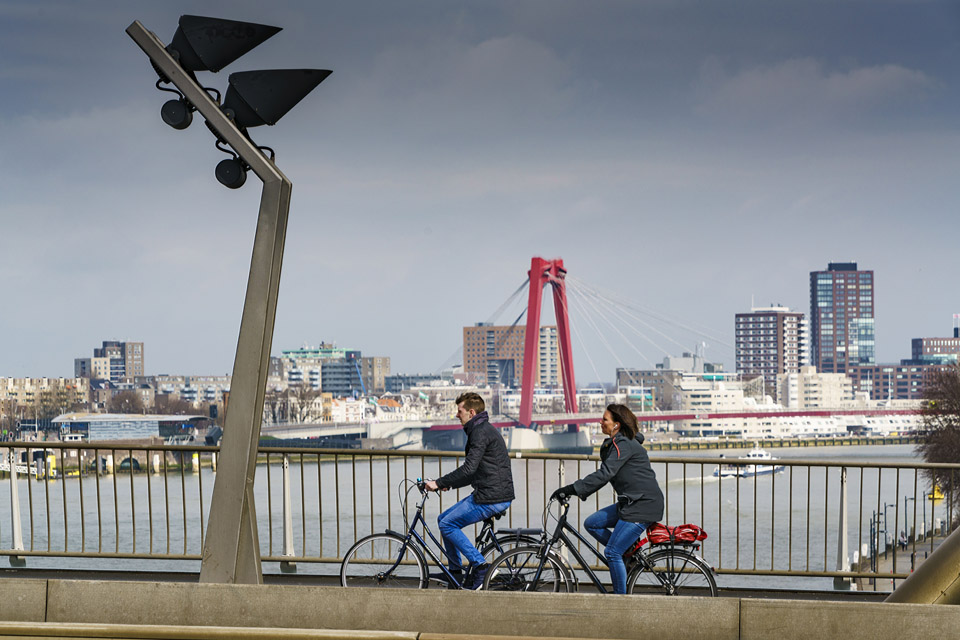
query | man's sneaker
[440, 576]
[475, 576]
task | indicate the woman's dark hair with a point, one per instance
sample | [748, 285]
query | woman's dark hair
[625, 418]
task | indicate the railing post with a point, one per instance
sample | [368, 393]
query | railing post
[843, 564]
[16, 528]
[287, 566]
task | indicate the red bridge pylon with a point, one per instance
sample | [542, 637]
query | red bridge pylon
[543, 272]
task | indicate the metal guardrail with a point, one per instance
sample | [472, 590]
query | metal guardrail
[135, 506]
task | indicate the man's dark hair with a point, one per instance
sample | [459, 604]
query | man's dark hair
[625, 418]
[471, 401]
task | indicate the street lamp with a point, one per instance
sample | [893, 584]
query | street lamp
[905, 500]
[231, 550]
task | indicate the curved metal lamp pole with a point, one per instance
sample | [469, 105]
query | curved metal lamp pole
[231, 549]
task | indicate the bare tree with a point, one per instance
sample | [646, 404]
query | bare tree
[941, 421]
[273, 406]
[166, 404]
[125, 402]
[300, 400]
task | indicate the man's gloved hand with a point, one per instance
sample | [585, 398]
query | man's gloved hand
[563, 492]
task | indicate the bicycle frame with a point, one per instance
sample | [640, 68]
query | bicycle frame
[559, 536]
[413, 537]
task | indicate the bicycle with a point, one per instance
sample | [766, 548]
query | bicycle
[394, 559]
[668, 569]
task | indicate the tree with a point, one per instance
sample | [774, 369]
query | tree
[52, 402]
[125, 402]
[300, 400]
[940, 416]
[272, 407]
[168, 405]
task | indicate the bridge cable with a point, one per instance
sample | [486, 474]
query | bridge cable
[623, 302]
[619, 313]
[618, 307]
[576, 333]
[582, 343]
[605, 314]
[458, 352]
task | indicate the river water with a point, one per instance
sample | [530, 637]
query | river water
[786, 522]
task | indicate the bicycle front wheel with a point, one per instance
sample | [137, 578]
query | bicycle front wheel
[506, 542]
[383, 560]
[517, 569]
[672, 572]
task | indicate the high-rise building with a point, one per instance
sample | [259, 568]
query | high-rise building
[770, 341]
[496, 352]
[115, 361]
[841, 318]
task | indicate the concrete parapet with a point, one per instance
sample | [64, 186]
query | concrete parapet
[210, 611]
[168, 632]
[809, 620]
[23, 600]
[429, 611]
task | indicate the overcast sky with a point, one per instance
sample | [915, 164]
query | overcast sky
[686, 158]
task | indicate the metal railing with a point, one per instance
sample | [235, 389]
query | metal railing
[139, 507]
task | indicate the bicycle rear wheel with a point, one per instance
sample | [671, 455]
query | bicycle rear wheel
[515, 571]
[382, 560]
[672, 572]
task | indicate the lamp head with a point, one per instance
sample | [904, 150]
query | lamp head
[210, 44]
[263, 97]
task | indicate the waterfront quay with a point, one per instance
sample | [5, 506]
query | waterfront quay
[658, 443]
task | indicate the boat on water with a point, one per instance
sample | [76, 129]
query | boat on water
[762, 463]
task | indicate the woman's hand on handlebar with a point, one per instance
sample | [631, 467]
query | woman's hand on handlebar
[431, 485]
[563, 493]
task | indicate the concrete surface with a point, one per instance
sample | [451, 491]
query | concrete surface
[93, 609]
[783, 619]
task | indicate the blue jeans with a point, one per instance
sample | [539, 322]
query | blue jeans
[451, 521]
[617, 536]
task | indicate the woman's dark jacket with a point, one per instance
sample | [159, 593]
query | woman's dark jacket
[625, 465]
[486, 464]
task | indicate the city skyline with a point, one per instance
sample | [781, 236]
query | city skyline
[689, 158]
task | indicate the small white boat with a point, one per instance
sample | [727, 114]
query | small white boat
[764, 464]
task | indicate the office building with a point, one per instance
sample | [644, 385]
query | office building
[808, 389]
[342, 372]
[115, 361]
[936, 350]
[496, 353]
[841, 318]
[770, 341]
[658, 388]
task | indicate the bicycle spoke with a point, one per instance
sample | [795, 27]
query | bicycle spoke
[381, 560]
[517, 570]
[672, 572]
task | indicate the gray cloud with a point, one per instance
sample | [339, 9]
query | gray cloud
[802, 89]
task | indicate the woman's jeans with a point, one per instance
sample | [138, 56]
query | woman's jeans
[451, 521]
[617, 536]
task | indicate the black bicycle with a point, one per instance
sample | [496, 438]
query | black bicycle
[400, 560]
[671, 568]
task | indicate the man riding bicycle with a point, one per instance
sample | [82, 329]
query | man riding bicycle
[486, 467]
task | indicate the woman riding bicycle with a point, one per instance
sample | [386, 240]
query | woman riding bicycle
[626, 466]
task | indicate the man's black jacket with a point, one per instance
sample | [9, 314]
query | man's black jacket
[486, 464]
